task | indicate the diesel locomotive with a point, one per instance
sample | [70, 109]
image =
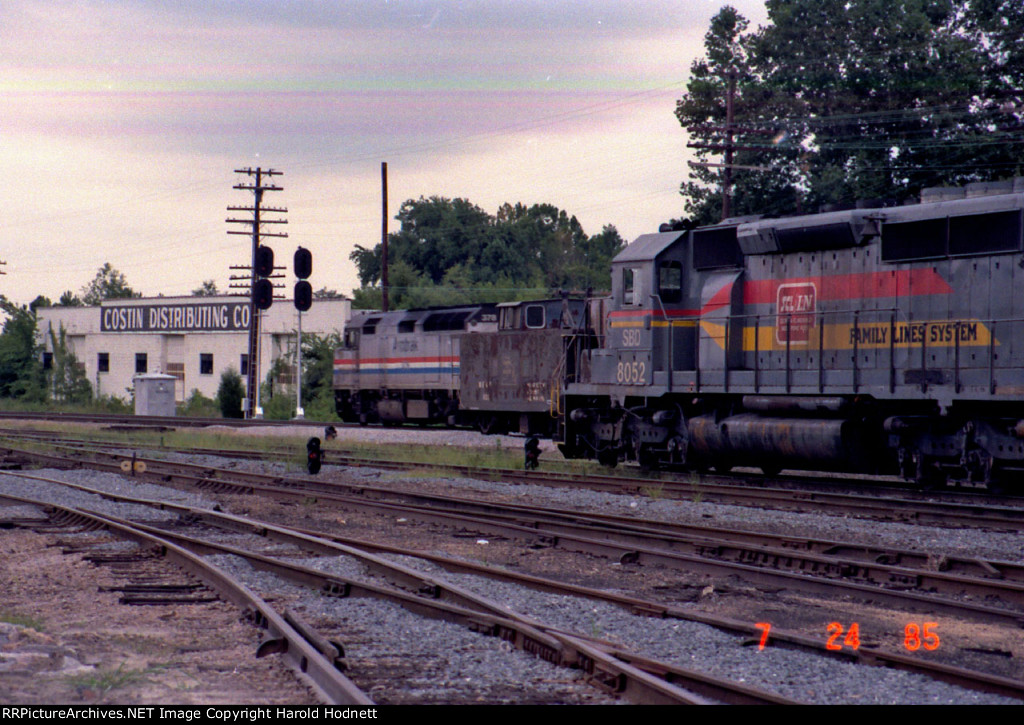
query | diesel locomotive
[879, 339]
[882, 340]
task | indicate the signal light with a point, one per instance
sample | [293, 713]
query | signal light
[314, 455]
[303, 296]
[303, 263]
[264, 261]
[263, 294]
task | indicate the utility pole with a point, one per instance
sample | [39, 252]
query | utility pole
[262, 181]
[384, 236]
[728, 147]
[727, 179]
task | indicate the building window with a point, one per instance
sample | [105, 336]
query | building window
[141, 362]
[206, 363]
[178, 371]
[103, 362]
[47, 360]
[243, 364]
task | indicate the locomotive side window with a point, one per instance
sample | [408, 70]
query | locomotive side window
[370, 326]
[351, 341]
[632, 287]
[407, 326]
[534, 316]
[670, 281]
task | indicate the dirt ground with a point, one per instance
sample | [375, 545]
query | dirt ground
[66, 639]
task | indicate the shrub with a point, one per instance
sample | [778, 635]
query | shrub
[230, 394]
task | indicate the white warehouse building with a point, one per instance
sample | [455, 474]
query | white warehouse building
[194, 339]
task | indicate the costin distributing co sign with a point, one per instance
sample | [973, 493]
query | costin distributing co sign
[176, 318]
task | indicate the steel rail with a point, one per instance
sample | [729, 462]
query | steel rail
[1005, 570]
[867, 655]
[780, 637]
[456, 602]
[636, 548]
[309, 663]
[945, 514]
[985, 515]
[562, 524]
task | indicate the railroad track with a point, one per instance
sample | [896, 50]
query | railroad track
[610, 667]
[308, 658]
[859, 496]
[769, 560]
[955, 510]
[221, 480]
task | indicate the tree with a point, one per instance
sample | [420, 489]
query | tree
[67, 376]
[207, 289]
[452, 252]
[230, 394]
[69, 299]
[21, 373]
[108, 284]
[839, 100]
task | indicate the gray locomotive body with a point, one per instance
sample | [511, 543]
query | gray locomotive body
[870, 339]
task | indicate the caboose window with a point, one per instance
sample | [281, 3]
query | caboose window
[534, 316]
[670, 281]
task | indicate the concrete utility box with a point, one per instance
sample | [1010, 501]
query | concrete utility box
[154, 394]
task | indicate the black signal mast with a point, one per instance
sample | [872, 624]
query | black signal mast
[262, 180]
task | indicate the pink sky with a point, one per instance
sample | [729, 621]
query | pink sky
[123, 123]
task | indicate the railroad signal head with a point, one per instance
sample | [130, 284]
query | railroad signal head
[264, 262]
[303, 263]
[314, 455]
[303, 296]
[263, 294]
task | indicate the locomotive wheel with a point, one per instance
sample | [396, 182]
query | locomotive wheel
[608, 457]
[771, 469]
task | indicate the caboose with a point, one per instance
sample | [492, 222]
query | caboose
[882, 340]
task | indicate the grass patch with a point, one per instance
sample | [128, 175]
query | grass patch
[21, 620]
[104, 681]
[655, 493]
